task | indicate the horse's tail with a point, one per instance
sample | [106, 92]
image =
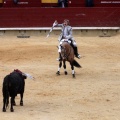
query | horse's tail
[5, 90]
[76, 64]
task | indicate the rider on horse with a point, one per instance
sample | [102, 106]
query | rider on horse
[66, 35]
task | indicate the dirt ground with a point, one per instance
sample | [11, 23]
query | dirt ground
[93, 95]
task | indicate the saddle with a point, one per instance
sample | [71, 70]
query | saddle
[70, 42]
[66, 40]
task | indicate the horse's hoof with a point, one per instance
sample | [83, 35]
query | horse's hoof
[4, 110]
[58, 73]
[65, 72]
[12, 110]
[21, 103]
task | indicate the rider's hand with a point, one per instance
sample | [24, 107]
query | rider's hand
[64, 37]
[55, 23]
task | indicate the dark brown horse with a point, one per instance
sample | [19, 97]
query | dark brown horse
[67, 54]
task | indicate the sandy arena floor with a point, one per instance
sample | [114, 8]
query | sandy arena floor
[93, 95]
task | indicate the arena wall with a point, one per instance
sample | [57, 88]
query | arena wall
[43, 33]
[44, 17]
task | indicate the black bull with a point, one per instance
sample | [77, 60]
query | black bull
[13, 84]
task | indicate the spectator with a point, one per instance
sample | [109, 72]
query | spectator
[62, 3]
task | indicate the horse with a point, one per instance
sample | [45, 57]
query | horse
[67, 54]
[13, 84]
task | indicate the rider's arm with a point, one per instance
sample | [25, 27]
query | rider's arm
[68, 37]
[55, 24]
[59, 25]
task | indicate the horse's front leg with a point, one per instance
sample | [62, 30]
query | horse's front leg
[73, 72]
[64, 65]
[60, 64]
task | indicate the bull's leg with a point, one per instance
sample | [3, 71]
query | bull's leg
[60, 64]
[4, 101]
[64, 65]
[73, 72]
[12, 100]
[14, 103]
[21, 99]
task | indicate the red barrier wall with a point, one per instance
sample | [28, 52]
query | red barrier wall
[44, 17]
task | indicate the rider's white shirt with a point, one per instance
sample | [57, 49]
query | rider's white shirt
[66, 32]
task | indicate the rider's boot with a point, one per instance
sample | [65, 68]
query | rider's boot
[60, 57]
[76, 53]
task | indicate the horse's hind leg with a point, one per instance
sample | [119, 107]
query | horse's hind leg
[60, 64]
[64, 65]
[73, 72]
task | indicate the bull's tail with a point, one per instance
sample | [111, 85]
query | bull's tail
[7, 99]
[76, 64]
[5, 92]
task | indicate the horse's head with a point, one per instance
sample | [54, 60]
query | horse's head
[67, 52]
